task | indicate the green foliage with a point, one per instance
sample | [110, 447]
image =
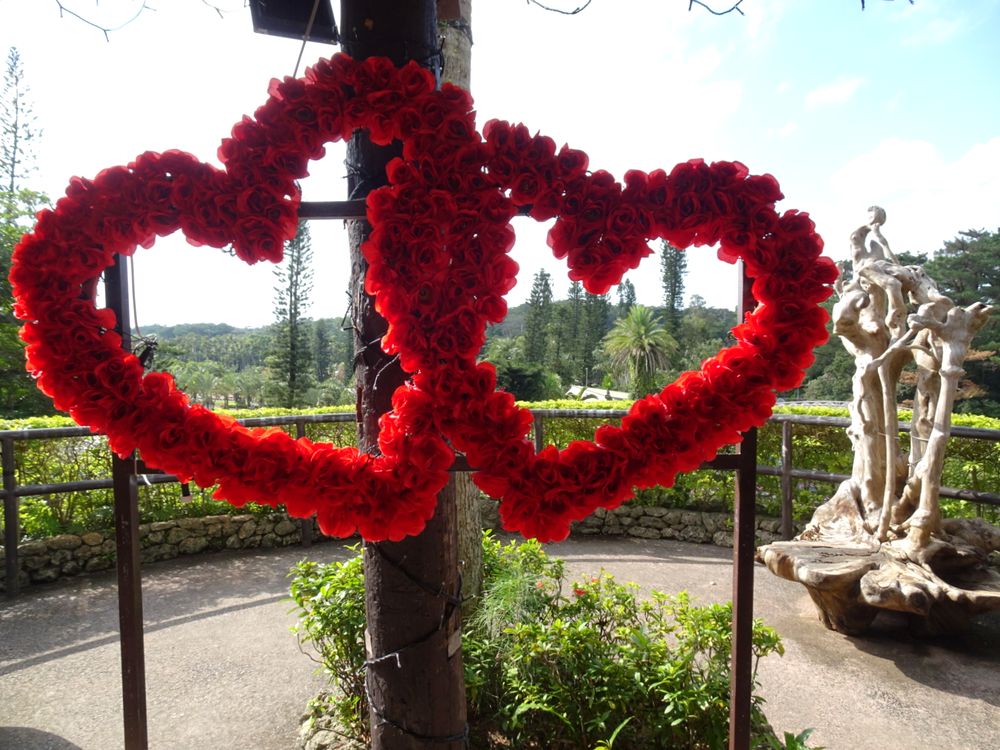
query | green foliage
[969, 464]
[673, 267]
[290, 363]
[53, 461]
[528, 382]
[638, 347]
[18, 206]
[792, 741]
[550, 664]
[626, 297]
[330, 605]
[539, 318]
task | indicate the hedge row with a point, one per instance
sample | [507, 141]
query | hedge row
[971, 464]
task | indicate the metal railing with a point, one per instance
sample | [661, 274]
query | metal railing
[788, 473]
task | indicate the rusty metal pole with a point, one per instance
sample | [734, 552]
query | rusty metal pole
[126, 497]
[787, 508]
[11, 519]
[305, 524]
[744, 512]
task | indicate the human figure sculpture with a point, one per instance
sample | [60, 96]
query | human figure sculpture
[880, 541]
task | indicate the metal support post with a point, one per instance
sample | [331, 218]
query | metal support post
[11, 519]
[744, 517]
[126, 496]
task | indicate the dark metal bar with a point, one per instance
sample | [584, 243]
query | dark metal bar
[130, 605]
[724, 462]
[744, 545]
[305, 524]
[539, 431]
[11, 520]
[786, 480]
[333, 209]
[581, 413]
[84, 485]
[127, 545]
[744, 526]
[971, 496]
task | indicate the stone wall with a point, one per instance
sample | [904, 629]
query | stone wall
[69, 555]
[697, 526]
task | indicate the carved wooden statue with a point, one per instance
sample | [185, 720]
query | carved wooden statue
[880, 541]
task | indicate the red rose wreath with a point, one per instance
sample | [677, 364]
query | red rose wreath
[439, 271]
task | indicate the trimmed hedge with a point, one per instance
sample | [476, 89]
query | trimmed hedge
[971, 464]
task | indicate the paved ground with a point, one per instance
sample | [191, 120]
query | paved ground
[222, 670]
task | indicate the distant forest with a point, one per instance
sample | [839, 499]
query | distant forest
[543, 348]
[545, 345]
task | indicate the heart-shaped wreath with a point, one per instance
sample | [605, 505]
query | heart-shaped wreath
[439, 271]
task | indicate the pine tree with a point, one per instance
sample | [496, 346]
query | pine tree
[18, 394]
[569, 326]
[17, 125]
[290, 364]
[539, 318]
[673, 266]
[596, 318]
[626, 297]
[322, 349]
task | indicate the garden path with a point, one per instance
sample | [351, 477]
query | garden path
[222, 670]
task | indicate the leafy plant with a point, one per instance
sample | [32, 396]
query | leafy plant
[330, 603]
[792, 741]
[969, 463]
[551, 665]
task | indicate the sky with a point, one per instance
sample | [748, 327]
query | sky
[897, 105]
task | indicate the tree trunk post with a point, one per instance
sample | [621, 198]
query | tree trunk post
[414, 682]
[455, 30]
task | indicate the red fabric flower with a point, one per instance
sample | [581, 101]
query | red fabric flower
[439, 270]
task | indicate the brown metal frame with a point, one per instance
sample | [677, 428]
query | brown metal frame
[127, 533]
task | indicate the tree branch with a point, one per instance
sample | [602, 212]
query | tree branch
[142, 7]
[734, 7]
[863, 3]
[103, 29]
[558, 10]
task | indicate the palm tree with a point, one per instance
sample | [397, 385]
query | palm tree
[637, 347]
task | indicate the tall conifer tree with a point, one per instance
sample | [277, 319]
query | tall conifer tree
[291, 361]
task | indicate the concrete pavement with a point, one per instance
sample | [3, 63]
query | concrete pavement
[223, 671]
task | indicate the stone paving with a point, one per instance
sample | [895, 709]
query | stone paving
[223, 671]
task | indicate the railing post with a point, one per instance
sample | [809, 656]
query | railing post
[11, 520]
[305, 524]
[539, 432]
[786, 481]
[744, 534]
[126, 496]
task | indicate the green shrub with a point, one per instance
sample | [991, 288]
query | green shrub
[969, 464]
[57, 460]
[330, 602]
[551, 665]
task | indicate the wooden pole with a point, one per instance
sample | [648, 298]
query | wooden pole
[415, 684]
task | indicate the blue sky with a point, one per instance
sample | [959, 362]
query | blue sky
[896, 105]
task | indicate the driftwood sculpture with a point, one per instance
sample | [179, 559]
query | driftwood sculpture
[880, 541]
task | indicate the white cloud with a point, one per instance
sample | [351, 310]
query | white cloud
[928, 199]
[784, 131]
[835, 92]
[936, 31]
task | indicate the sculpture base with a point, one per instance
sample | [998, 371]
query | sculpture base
[941, 587]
